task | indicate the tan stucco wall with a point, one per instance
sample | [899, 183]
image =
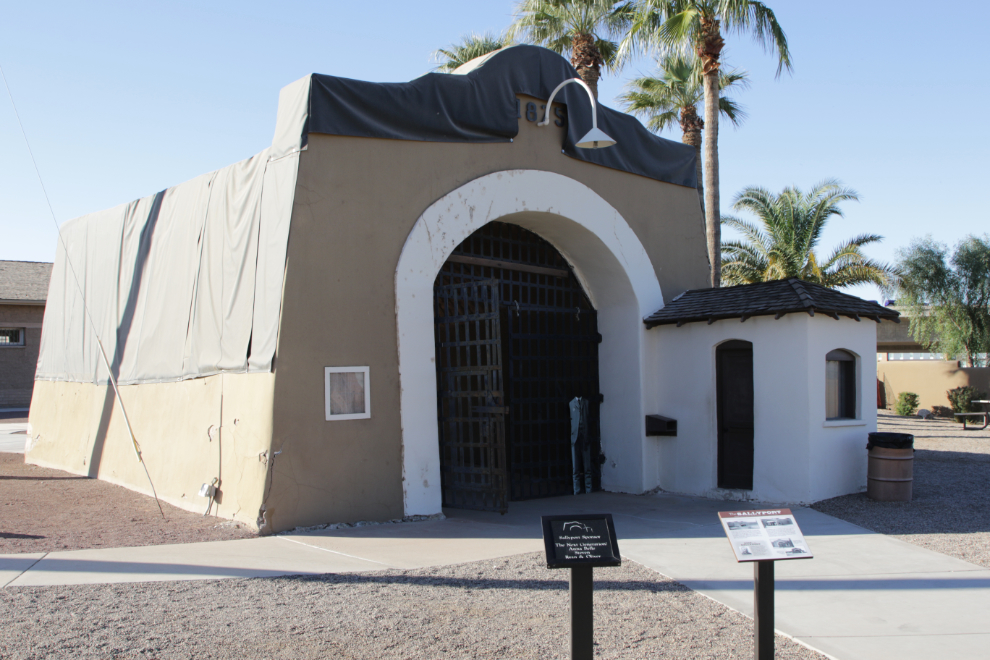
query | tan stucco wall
[929, 380]
[356, 201]
[78, 427]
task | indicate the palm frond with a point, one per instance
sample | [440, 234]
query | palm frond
[790, 224]
[732, 110]
[679, 28]
[555, 23]
[674, 25]
[749, 230]
[770, 35]
[678, 85]
[470, 47]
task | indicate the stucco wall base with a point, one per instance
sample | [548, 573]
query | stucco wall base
[78, 427]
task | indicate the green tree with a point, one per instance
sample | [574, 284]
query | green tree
[583, 29]
[698, 25]
[674, 96]
[790, 227]
[948, 300]
[470, 47]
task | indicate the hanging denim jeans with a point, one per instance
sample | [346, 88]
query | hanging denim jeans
[580, 444]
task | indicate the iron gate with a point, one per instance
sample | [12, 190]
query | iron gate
[552, 357]
[549, 355]
[470, 402]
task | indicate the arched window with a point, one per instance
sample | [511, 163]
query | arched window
[840, 385]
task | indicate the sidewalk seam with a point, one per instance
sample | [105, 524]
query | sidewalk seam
[9, 582]
[672, 522]
[343, 554]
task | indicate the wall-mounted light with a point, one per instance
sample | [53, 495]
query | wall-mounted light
[596, 138]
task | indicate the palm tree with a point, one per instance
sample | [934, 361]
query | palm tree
[696, 25]
[582, 28]
[675, 97]
[790, 227]
[470, 47]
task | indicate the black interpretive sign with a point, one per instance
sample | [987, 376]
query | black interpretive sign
[580, 540]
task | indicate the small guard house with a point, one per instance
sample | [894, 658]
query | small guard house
[398, 305]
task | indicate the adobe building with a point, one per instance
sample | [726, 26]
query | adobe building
[392, 309]
[905, 365]
[23, 289]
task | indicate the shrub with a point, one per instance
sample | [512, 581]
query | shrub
[942, 411]
[961, 399]
[907, 404]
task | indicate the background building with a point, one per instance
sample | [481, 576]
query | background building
[23, 290]
[904, 365]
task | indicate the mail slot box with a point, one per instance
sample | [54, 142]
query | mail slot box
[660, 425]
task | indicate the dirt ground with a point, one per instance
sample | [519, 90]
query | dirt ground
[512, 607]
[950, 508]
[43, 510]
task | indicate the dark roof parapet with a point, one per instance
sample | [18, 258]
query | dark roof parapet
[775, 298]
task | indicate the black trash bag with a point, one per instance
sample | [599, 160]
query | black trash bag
[891, 440]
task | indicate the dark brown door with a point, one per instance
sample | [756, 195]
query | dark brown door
[734, 384]
[470, 397]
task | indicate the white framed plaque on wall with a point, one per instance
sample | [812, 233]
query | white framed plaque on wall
[347, 393]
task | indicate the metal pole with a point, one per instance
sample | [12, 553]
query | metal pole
[763, 609]
[582, 613]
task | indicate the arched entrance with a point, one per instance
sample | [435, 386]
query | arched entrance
[613, 267]
[516, 350]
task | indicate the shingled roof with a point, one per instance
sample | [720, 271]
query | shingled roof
[24, 282]
[764, 299]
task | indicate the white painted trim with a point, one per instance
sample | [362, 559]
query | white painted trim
[367, 393]
[608, 259]
[843, 422]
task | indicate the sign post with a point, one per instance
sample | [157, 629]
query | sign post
[580, 543]
[763, 537]
[763, 609]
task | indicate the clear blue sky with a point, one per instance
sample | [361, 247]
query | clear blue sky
[123, 99]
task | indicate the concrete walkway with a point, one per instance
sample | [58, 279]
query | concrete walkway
[864, 595]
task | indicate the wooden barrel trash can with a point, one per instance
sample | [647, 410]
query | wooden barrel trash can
[890, 471]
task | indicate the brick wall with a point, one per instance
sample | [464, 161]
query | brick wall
[18, 363]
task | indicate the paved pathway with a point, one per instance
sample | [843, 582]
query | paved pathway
[864, 595]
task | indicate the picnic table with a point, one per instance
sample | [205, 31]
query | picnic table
[985, 415]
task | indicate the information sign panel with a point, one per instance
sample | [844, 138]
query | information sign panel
[763, 535]
[580, 540]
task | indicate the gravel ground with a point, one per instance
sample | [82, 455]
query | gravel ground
[950, 510]
[43, 510]
[507, 608]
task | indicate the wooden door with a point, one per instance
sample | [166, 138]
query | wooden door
[734, 389]
[470, 403]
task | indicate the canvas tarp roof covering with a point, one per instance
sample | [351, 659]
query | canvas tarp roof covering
[182, 284]
[480, 106]
[188, 282]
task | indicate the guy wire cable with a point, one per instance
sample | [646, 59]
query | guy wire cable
[82, 296]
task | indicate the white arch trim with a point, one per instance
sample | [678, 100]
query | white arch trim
[612, 264]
